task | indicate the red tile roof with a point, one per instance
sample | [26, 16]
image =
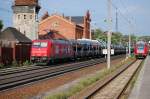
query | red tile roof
[26, 2]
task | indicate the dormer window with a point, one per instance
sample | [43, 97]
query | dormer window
[24, 16]
[30, 16]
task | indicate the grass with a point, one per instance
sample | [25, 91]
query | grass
[16, 64]
[87, 81]
[27, 63]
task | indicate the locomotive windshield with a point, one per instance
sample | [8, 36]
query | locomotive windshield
[140, 46]
[39, 44]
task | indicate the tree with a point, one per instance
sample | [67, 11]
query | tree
[125, 39]
[99, 34]
[1, 25]
[116, 38]
[133, 38]
[144, 38]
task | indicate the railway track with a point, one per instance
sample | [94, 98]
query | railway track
[112, 86]
[19, 69]
[13, 70]
[18, 77]
[7, 71]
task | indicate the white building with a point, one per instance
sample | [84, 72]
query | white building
[25, 17]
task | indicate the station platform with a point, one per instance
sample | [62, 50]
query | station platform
[141, 88]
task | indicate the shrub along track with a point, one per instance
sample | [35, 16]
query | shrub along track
[112, 86]
[20, 78]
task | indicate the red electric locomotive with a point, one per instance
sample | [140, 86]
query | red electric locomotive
[44, 51]
[141, 49]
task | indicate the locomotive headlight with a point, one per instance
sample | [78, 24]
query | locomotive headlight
[32, 58]
[44, 58]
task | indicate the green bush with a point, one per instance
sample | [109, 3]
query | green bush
[58, 96]
[1, 65]
[26, 63]
[15, 64]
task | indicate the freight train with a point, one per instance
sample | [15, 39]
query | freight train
[46, 51]
[141, 49]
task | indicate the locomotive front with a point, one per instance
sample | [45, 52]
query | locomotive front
[40, 51]
[141, 49]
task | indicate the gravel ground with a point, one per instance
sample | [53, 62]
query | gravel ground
[42, 88]
[117, 84]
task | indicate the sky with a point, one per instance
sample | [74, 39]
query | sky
[133, 15]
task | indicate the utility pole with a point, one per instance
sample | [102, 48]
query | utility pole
[116, 20]
[130, 39]
[109, 34]
[117, 23]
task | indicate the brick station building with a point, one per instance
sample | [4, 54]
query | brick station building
[65, 27]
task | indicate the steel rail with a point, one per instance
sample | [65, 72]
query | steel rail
[90, 91]
[19, 69]
[13, 70]
[21, 78]
[109, 80]
[118, 96]
[89, 95]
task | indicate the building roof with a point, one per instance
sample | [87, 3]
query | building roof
[12, 34]
[76, 19]
[51, 35]
[26, 2]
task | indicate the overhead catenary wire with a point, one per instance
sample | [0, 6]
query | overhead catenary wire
[121, 14]
[3, 8]
[124, 6]
[129, 19]
[130, 27]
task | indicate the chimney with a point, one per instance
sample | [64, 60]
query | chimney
[87, 20]
[46, 15]
[85, 28]
[63, 15]
[70, 18]
[88, 14]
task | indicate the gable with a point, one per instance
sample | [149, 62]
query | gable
[58, 18]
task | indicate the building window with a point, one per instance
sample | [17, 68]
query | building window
[55, 24]
[30, 16]
[24, 16]
[18, 16]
